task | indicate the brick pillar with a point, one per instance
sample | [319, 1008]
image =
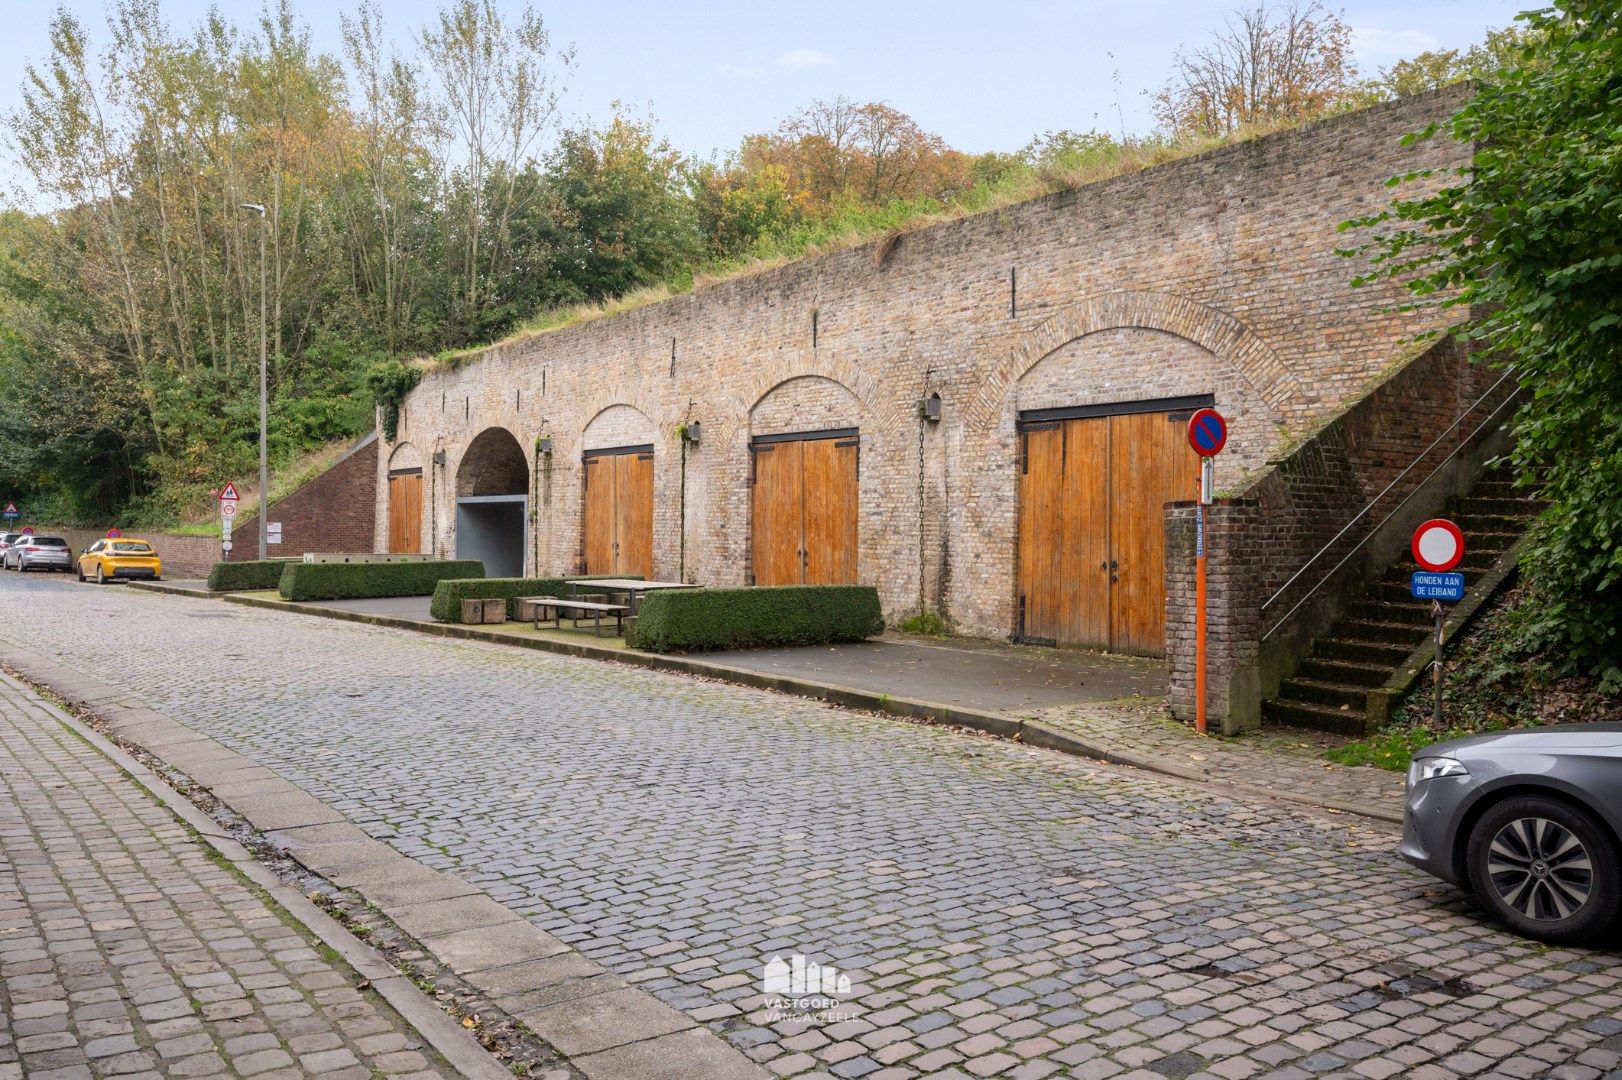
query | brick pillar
[1234, 547]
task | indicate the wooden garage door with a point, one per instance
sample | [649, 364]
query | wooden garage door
[619, 511]
[805, 507]
[405, 512]
[1092, 495]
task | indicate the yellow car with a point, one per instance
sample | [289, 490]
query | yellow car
[125, 557]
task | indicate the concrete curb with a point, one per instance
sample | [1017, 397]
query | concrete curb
[1032, 732]
[451, 1041]
[607, 1028]
[174, 590]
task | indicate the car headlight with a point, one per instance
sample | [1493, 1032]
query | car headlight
[1432, 768]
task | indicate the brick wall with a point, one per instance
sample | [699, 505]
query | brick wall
[333, 512]
[183, 556]
[1215, 274]
[1233, 563]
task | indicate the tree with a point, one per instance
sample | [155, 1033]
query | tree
[1267, 65]
[1527, 244]
[1442, 67]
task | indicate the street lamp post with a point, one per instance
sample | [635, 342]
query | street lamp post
[264, 465]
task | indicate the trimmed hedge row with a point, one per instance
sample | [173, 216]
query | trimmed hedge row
[697, 620]
[449, 594]
[356, 581]
[246, 576]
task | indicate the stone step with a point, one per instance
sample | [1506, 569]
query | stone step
[1408, 613]
[1393, 633]
[1518, 509]
[1367, 652]
[1315, 692]
[1344, 672]
[1315, 717]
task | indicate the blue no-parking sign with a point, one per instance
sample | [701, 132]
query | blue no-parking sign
[1207, 432]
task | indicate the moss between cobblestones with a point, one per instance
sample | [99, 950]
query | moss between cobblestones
[449, 594]
[356, 581]
[697, 620]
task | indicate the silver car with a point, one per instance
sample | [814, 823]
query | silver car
[39, 553]
[1529, 820]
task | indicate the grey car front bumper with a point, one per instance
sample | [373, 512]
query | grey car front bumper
[1429, 815]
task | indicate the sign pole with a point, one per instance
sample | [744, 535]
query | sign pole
[1436, 709]
[1207, 435]
[1199, 593]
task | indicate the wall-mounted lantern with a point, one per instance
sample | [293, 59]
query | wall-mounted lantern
[543, 445]
[930, 408]
[439, 457]
[691, 432]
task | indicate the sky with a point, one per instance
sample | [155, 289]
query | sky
[985, 76]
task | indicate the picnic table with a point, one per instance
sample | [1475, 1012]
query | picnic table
[577, 609]
[633, 588]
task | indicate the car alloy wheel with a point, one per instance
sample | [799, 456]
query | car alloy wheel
[1547, 868]
[1540, 869]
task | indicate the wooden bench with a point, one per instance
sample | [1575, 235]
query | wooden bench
[579, 609]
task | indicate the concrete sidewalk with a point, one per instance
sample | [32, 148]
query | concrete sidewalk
[127, 946]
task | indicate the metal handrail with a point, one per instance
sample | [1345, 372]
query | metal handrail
[1376, 500]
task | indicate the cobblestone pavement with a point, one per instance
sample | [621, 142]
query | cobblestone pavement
[1002, 911]
[127, 950]
[1280, 760]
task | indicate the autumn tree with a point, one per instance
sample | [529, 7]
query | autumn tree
[1266, 65]
[1441, 67]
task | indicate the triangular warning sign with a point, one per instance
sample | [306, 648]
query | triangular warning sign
[230, 494]
[11, 508]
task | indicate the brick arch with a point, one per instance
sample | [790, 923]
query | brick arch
[1219, 333]
[405, 456]
[652, 408]
[652, 428]
[492, 463]
[753, 391]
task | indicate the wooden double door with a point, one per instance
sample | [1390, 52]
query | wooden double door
[405, 511]
[619, 511]
[1092, 496]
[805, 508]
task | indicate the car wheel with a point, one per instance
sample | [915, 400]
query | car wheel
[1547, 868]
[101, 575]
[78, 568]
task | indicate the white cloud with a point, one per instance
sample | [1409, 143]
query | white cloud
[1376, 41]
[803, 60]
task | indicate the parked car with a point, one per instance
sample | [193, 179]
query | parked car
[1531, 821]
[38, 553]
[6, 540]
[127, 557]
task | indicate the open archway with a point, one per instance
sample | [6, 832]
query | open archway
[492, 503]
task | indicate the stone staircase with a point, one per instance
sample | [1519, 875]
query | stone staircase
[1365, 648]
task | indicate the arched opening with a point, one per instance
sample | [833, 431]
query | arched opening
[617, 469]
[492, 503]
[405, 500]
[1098, 460]
[804, 451]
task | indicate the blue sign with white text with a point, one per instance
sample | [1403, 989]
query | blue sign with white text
[1429, 585]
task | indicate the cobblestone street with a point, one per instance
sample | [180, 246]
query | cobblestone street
[126, 949]
[1001, 911]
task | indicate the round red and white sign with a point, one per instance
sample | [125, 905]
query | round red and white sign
[1438, 545]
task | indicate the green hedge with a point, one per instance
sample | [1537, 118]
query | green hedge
[355, 581]
[695, 620]
[246, 576]
[449, 594]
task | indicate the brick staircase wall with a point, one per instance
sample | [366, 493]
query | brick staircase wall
[1299, 504]
[336, 511]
